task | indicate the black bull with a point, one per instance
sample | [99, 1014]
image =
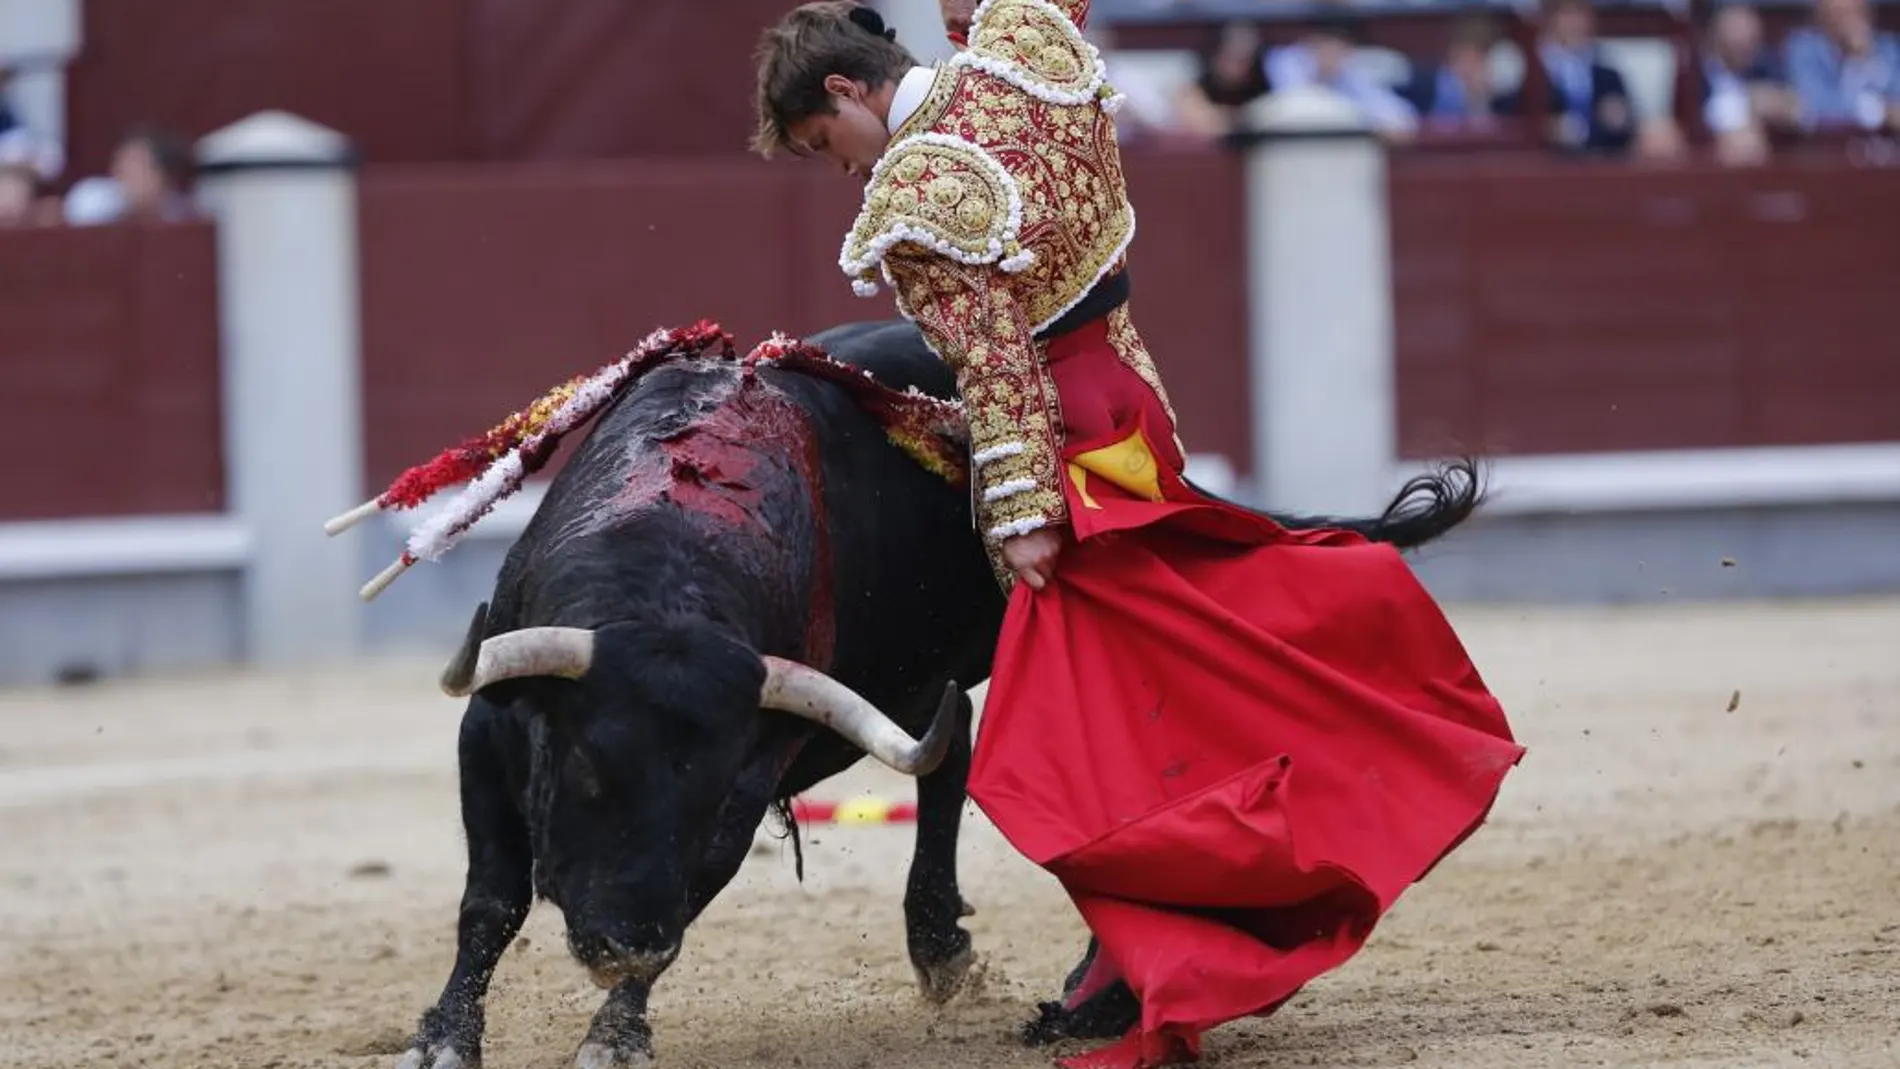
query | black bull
[716, 531]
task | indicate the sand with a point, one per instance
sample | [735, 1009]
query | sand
[261, 870]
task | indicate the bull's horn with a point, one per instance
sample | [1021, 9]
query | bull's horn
[794, 688]
[533, 651]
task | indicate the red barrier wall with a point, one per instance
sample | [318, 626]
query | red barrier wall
[482, 288]
[427, 81]
[1541, 307]
[1549, 308]
[109, 371]
[1188, 268]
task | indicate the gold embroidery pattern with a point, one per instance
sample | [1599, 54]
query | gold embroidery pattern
[971, 318]
[1075, 216]
[939, 192]
[1041, 41]
[1074, 220]
[1077, 10]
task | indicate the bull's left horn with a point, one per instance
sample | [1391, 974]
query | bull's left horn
[566, 652]
[803, 691]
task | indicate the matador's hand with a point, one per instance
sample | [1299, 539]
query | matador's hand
[1033, 556]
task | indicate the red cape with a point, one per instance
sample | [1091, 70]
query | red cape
[1235, 745]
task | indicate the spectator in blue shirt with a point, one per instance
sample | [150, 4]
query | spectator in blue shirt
[1845, 72]
[8, 120]
[1590, 107]
[1324, 56]
[1456, 94]
[1740, 86]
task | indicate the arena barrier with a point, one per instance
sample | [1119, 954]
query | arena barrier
[1658, 390]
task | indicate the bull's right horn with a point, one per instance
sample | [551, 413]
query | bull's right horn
[803, 691]
[566, 652]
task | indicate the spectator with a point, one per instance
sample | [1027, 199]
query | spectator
[1457, 93]
[27, 162]
[1844, 72]
[1324, 56]
[1233, 75]
[8, 120]
[1589, 100]
[1741, 90]
[19, 186]
[150, 181]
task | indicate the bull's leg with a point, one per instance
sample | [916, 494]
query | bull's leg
[620, 1037]
[939, 947]
[495, 901]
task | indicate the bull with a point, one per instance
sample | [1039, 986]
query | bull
[737, 588]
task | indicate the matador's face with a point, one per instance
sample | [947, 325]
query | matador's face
[852, 134]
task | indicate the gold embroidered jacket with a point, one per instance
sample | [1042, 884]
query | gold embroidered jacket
[998, 206]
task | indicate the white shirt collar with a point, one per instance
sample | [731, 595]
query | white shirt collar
[910, 94]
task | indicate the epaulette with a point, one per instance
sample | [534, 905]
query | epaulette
[941, 193]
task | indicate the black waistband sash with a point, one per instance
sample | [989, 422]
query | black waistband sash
[1109, 294]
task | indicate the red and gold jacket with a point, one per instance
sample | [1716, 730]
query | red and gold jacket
[999, 205]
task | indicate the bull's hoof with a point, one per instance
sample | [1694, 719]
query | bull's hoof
[943, 981]
[595, 1055]
[446, 1039]
[436, 1056]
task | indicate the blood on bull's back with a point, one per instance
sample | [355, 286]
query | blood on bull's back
[864, 563]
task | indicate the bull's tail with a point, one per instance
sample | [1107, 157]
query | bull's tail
[1427, 507]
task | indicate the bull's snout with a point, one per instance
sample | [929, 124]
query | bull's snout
[612, 962]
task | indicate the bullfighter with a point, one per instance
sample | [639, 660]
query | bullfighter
[1234, 744]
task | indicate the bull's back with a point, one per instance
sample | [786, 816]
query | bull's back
[684, 496]
[916, 603]
[894, 352]
[901, 596]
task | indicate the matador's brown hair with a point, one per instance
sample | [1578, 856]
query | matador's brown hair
[813, 42]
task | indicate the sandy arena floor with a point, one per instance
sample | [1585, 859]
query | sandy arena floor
[262, 871]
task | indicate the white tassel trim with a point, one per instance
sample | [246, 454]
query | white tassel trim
[1015, 528]
[999, 244]
[1008, 489]
[997, 67]
[997, 452]
[864, 287]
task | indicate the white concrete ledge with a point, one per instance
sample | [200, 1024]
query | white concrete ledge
[1521, 485]
[1589, 482]
[134, 545]
[1691, 479]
